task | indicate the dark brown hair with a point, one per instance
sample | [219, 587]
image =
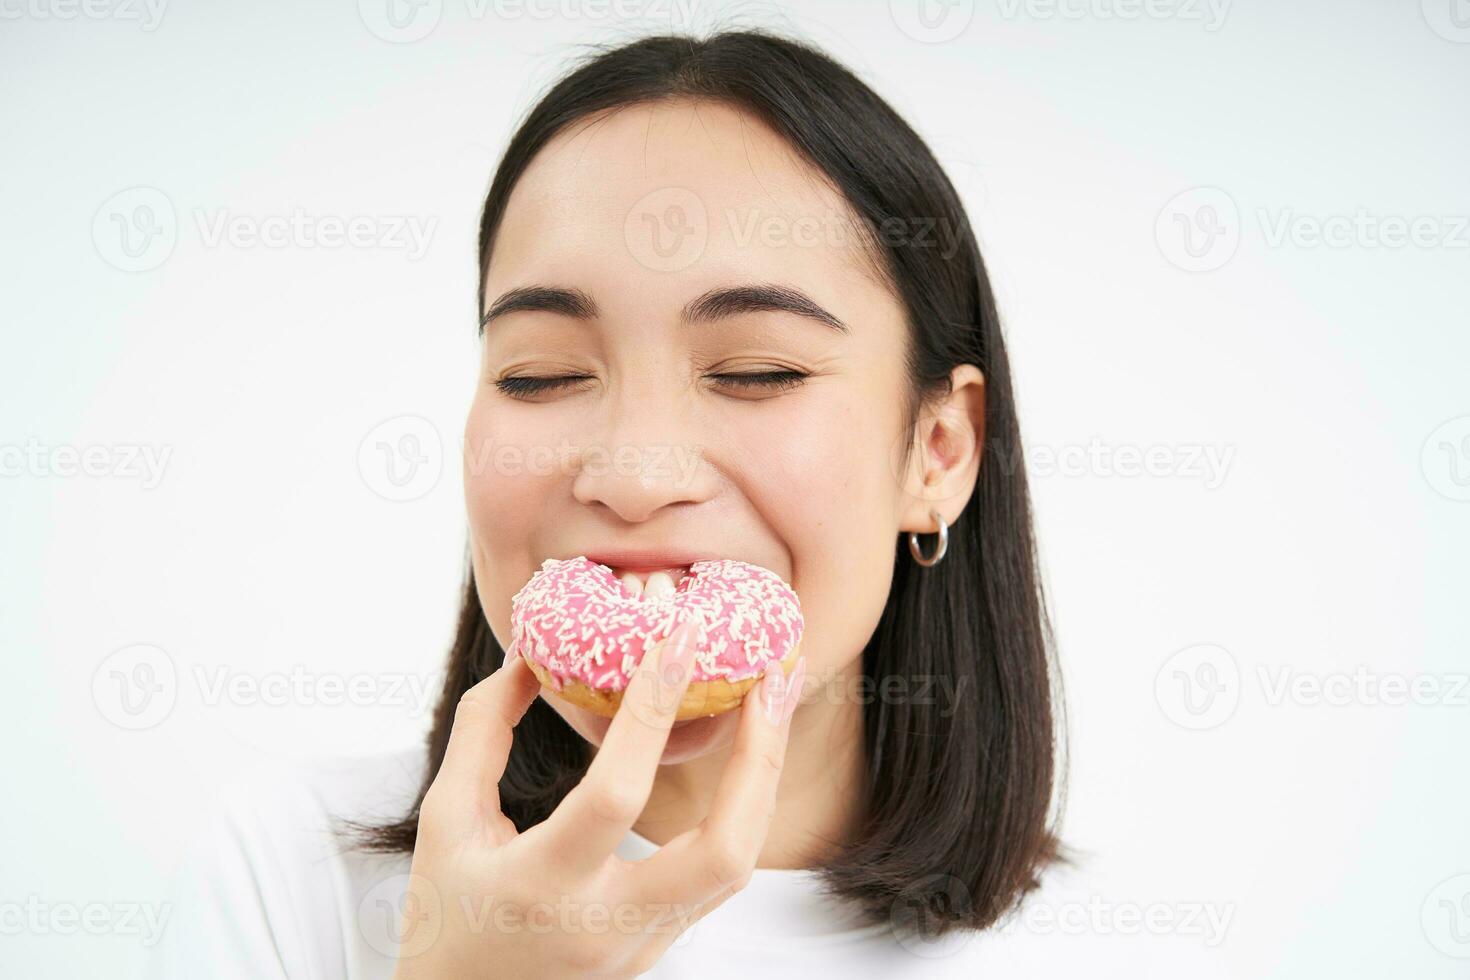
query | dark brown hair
[955, 823]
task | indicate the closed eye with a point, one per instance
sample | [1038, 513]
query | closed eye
[521, 387]
[763, 379]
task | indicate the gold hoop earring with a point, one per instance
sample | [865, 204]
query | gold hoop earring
[939, 551]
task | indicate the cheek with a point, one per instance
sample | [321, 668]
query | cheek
[821, 477]
[511, 478]
[824, 468]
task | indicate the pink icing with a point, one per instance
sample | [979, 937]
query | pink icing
[575, 619]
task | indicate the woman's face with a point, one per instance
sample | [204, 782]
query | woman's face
[639, 216]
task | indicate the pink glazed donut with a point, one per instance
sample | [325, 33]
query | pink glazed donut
[583, 634]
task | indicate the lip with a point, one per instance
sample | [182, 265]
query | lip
[644, 560]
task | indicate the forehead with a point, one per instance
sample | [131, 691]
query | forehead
[649, 204]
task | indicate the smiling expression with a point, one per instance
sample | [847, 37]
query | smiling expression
[747, 404]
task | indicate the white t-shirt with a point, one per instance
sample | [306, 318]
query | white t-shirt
[267, 892]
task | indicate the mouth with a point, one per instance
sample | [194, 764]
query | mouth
[650, 583]
[646, 574]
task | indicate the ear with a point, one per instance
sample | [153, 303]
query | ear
[948, 440]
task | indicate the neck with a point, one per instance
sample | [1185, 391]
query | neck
[817, 802]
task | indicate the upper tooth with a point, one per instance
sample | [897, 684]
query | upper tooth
[659, 584]
[632, 582]
[637, 583]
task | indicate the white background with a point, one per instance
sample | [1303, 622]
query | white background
[1328, 380]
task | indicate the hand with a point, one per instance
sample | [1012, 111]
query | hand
[556, 901]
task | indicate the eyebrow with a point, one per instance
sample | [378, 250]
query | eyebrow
[717, 304]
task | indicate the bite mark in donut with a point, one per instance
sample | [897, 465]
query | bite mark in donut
[583, 634]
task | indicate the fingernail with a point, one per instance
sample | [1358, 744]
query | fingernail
[793, 688]
[773, 690]
[683, 641]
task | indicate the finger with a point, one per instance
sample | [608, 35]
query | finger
[467, 785]
[721, 852]
[598, 813]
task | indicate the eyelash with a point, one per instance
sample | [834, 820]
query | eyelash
[774, 380]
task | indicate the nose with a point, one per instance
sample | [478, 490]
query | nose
[650, 456]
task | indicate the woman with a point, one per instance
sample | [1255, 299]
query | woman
[730, 307]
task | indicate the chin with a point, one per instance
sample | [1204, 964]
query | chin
[687, 739]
